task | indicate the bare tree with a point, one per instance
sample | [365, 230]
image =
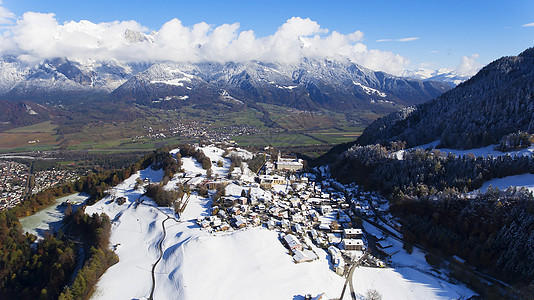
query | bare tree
[373, 294]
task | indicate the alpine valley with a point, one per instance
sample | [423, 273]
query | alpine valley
[319, 179]
[73, 93]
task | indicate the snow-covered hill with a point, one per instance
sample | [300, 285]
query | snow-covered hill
[237, 264]
[495, 102]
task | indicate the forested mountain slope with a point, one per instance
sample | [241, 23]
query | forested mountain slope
[495, 102]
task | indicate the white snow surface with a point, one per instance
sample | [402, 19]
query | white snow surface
[369, 90]
[289, 87]
[484, 151]
[523, 180]
[192, 166]
[244, 154]
[175, 82]
[216, 154]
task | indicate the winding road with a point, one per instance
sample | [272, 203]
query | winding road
[160, 248]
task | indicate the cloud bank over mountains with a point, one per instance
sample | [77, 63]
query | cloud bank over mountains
[38, 36]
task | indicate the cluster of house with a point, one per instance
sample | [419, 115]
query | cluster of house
[306, 212]
[201, 130]
[50, 178]
[302, 209]
[325, 218]
[13, 180]
[301, 253]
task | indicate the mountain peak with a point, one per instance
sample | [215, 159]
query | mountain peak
[312, 83]
[528, 52]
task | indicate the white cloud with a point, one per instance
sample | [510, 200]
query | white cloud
[528, 25]
[409, 39]
[6, 16]
[402, 40]
[37, 36]
[468, 65]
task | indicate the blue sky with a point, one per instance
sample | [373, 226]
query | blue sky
[442, 32]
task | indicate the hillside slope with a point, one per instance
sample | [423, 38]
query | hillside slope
[24, 113]
[479, 112]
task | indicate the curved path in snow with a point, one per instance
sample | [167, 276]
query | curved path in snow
[160, 248]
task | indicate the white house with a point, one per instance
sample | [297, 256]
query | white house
[352, 233]
[292, 242]
[353, 244]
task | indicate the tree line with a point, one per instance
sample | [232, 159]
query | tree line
[428, 192]
[421, 172]
[95, 231]
[41, 270]
[32, 272]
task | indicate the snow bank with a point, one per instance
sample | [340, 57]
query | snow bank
[192, 166]
[216, 154]
[401, 283]
[246, 264]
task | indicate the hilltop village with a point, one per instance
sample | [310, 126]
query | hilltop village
[242, 222]
[307, 210]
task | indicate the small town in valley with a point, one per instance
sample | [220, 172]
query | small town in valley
[17, 182]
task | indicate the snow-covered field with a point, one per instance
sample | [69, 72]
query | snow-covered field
[52, 216]
[215, 155]
[484, 151]
[523, 180]
[249, 263]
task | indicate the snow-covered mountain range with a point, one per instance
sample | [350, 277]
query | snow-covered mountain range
[443, 75]
[311, 83]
